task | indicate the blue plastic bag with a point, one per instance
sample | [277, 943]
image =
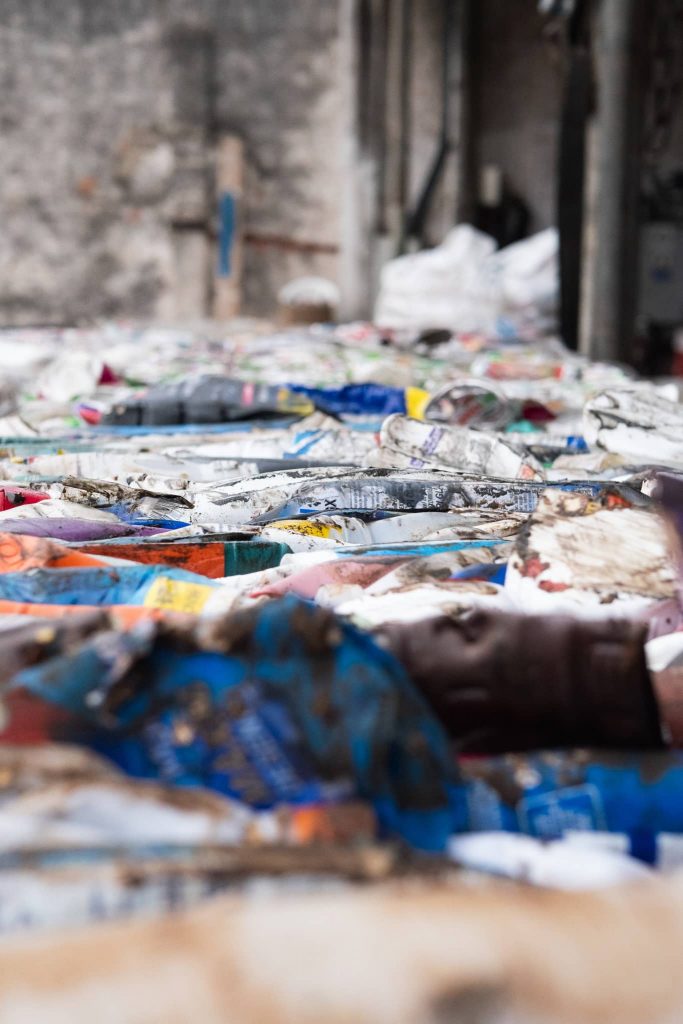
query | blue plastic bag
[295, 707]
[550, 793]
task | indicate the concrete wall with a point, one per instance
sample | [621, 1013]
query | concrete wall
[516, 95]
[109, 114]
[111, 110]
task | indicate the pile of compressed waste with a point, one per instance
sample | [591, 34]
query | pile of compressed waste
[336, 602]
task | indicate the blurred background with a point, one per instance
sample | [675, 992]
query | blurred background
[172, 161]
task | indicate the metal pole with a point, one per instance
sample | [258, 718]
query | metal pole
[405, 143]
[380, 58]
[462, 114]
[614, 44]
[572, 166]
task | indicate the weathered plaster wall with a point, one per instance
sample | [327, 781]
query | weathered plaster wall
[109, 113]
[280, 80]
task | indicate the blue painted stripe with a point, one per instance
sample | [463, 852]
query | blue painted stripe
[419, 549]
[227, 219]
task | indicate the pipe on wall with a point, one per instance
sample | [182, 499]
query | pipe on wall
[405, 122]
[615, 41]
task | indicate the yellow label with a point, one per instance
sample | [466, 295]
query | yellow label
[176, 596]
[416, 402]
[303, 526]
[293, 402]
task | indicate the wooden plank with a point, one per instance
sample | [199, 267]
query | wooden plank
[229, 258]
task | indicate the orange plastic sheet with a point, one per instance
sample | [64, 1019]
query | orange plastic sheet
[19, 552]
[123, 615]
[204, 559]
